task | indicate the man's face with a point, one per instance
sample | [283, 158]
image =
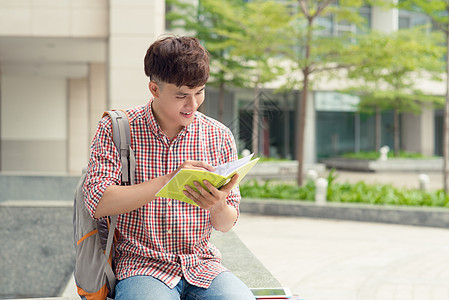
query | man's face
[175, 107]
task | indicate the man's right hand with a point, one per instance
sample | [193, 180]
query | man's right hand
[193, 164]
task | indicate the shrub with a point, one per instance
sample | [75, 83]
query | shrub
[373, 155]
[359, 192]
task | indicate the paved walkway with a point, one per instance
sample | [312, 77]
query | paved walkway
[341, 260]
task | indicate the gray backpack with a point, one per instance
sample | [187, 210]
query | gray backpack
[94, 240]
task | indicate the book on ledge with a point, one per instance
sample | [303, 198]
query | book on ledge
[223, 173]
[276, 293]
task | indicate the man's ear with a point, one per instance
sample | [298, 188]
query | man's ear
[154, 89]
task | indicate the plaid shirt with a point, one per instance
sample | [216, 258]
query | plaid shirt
[165, 238]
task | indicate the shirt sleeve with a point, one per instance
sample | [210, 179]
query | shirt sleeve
[104, 167]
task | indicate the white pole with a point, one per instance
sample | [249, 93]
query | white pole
[321, 191]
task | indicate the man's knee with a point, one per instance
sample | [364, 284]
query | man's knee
[227, 286]
[143, 288]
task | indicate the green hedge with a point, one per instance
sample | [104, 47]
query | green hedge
[359, 192]
[373, 155]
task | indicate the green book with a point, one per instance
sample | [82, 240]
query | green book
[222, 175]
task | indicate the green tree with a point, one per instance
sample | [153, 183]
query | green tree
[314, 52]
[258, 44]
[387, 72]
[438, 11]
[206, 20]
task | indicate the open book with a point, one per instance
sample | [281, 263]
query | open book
[222, 175]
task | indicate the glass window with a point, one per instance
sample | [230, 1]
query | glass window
[340, 128]
[409, 19]
[334, 133]
[365, 14]
[404, 22]
[367, 132]
[326, 25]
[332, 101]
[276, 124]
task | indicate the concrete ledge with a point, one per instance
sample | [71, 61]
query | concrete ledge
[37, 248]
[419, 216]
[37, 187]
[392, 164]
[52, 298]
[241, 261]
[236, 257]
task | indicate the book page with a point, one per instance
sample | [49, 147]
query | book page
[242, 171]
[229, 167]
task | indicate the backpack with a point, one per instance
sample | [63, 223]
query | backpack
[94, 240]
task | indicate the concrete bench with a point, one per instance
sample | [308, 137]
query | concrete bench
[37, 251]
[241, 261]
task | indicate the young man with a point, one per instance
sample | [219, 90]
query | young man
[163, 251]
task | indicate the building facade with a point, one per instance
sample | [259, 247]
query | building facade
[64, 62]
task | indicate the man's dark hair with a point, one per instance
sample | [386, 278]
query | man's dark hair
[181, 61]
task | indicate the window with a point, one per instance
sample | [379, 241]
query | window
[409, 19]
[330, 26]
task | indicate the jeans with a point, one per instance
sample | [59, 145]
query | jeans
[226, 286]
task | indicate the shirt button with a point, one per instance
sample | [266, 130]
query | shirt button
[169, 203]
[169, 231]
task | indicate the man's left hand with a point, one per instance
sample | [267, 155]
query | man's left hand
[211, 199]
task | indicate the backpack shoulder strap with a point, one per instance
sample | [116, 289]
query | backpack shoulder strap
[121, 134]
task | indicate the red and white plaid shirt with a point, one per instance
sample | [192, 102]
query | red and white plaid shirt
[165, 238]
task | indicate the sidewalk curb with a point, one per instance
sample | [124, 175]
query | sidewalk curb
[70, 290]
[417, 216]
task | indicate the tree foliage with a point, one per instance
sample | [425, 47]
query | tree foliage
[261, 38]
[438, 11]
[250, 42]
[244, 40]
[207, 21]
[259, 44]
[317, 52]
[391, 65]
